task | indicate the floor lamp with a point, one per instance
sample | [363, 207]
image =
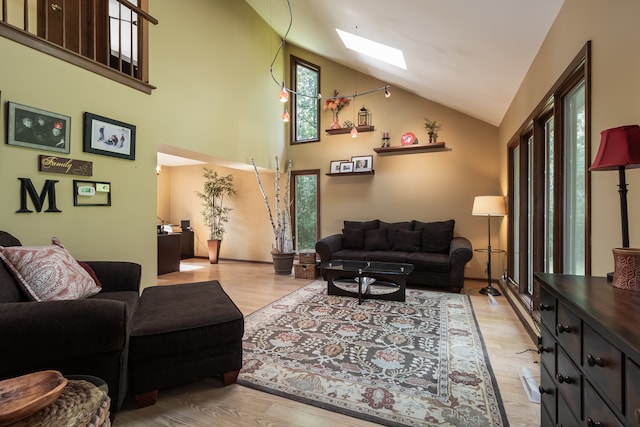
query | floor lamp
[619, 149]
[489, 206]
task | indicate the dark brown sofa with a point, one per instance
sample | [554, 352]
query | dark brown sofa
[79, 337]
[437, 256]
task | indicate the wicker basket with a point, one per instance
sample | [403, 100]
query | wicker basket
[307, 257]
[305, 271]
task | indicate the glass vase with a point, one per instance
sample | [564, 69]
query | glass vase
[335, 122]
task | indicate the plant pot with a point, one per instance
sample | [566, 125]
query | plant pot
[214, 250]
[283, 263]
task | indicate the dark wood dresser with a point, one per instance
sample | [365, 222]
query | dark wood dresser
[590, 352]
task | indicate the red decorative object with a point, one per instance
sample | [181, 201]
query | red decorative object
[408, 138]
[627, 269]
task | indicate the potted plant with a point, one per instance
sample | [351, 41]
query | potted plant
[432, 128]
[215, 214]
[282, 251]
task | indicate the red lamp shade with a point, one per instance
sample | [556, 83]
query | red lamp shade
[618, 147]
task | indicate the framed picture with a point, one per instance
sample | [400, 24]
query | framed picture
[334, 167]
[91, 193]
[346, 167]
[362, 163]
[35, 128]
[109, 137]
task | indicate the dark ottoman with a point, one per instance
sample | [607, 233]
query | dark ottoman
[183, 333]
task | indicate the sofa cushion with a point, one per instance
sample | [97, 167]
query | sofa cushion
[351, 254]
[436, 236]
[366, 225]
[432, 262]
[407, 241]
[387, 256]
[376, 240]
[48, 272]
[393, 227]
[353, 238]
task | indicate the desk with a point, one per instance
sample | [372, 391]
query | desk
[168, 253]
[186, 244]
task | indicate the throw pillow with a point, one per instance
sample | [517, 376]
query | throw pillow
[92, 273]
[48, 273]
[393, 227]
[407, 241]
[376, 240]
[365, 225]
[352, 238]
[436, 236]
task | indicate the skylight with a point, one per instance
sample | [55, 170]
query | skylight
[373, 49]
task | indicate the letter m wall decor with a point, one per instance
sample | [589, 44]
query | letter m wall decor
[48, 192]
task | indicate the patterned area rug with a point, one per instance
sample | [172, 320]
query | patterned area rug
[417, 363]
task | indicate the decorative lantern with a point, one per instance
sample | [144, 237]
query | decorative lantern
[364, 117]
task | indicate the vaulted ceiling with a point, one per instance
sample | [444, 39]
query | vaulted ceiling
[467, 55]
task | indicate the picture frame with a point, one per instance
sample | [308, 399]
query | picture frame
[40, 129]
[334, 166]
[362, 163]
[91, 193]
[346, 166]
[109, 137]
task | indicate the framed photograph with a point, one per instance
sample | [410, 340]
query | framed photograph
[346, 167]
[109, 137]
[362, 163]
[91, 193]
[334, 167]
[35, 128]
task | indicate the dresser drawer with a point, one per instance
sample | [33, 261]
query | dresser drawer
[633, 393]
[602, 363]
[547, 308]
[569, 383]
[596, 412]
[548, 394]
[547, 351]
[565, 416]
[568, 331]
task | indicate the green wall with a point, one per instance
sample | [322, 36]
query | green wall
[209, 62]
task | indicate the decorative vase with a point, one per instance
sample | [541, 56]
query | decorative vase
[335, 123]
[627, 268]
[282, 263]
[214, 250]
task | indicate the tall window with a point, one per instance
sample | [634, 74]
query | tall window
[306, 208]
[549, 187]
[305, 123]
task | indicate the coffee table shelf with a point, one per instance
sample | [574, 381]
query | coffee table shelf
[369, 279]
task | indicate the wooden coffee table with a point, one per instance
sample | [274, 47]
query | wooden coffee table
[367, 279]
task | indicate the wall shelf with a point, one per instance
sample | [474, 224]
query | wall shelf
[351, 173]
[414, 148]
[348, 130]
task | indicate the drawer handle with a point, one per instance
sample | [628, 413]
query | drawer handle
[545, 307]
[593, 361]
[543, 390]
[592, 423]
[561, 328]
[563, 379]
[542, 349]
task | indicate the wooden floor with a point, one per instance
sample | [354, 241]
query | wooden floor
[254, 285]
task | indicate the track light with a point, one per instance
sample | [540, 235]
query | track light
[387, 94]
[283, 96]
[285, 115]
[354, 132]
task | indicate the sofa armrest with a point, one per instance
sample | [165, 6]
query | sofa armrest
[117, 275]
[40, 334]
[328, 245]
[460, 251]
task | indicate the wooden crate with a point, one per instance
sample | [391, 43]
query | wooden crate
[305, 271]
